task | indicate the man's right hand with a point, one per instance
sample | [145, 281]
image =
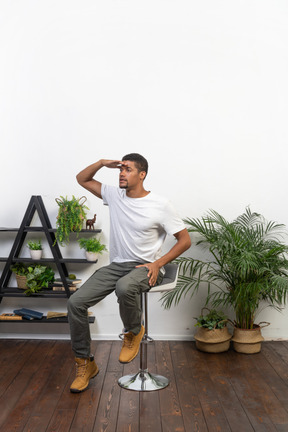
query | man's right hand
[85, 177]
[111, 163]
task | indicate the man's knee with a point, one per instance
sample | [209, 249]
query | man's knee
[120, 288]
[125, 289]
[70, 304]
[74, 304]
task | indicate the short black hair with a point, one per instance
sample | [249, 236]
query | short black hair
[140, 162]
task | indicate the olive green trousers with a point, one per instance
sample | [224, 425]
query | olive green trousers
[128, 283]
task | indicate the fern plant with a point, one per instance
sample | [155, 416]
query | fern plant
[246, 267]
[92, 245]
[34, 245]
[71, 215]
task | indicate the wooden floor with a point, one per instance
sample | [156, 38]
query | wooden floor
[208, 392]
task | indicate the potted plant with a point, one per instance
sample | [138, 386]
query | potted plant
[35, 249]
[92, 247]
[71, 214]
[20, 271]
[212, 334]
[37, 277]
[246, 268]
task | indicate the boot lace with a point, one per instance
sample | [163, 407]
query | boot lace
[128, 340]
[81, 369]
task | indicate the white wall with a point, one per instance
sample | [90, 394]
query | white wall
[199, 88]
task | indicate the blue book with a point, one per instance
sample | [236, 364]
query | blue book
[28, 313]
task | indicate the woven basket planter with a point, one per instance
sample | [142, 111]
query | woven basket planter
[212, 341]
[21, 282]
[248, 341]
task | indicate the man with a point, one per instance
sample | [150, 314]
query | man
[139, 222]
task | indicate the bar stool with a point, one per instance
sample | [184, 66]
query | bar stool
[144, 380]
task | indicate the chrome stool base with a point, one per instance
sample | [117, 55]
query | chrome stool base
[143, 381]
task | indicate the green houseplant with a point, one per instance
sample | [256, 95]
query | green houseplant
[36, 277]
[20, 271]
[212, 334]
[71, 214]
[35, 249]
[245, 269]
[212, 320]
[92, 247]
[34, 245]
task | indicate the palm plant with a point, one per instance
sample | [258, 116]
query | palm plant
[247, 265]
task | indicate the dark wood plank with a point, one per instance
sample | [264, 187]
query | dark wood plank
[149, 417]
[213, 411]
[61, 421]
[21, 371]
[188, 396]
[36, 384]
[265, 395]
[106, 419]
[218, 367]
[128, 416]
[276, 353]
[246, 388]
[50, 396]
[170, 410]
[18, 354]
[273, 371]
[89, 400]
[113, 364]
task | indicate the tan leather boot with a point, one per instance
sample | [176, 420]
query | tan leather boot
[130, 347]
[86, 369]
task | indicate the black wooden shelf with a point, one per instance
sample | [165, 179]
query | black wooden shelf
[50, 230]
[36, 205]
[16, 292]
[51, 260]
[44, 320]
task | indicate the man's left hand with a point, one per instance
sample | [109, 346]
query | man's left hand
[153, 271]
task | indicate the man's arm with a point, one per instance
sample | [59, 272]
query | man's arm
[183, 243]
[85, 177]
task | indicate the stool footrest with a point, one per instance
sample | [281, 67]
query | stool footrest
[143, 381]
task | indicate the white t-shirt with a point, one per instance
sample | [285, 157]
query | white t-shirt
[138, 226]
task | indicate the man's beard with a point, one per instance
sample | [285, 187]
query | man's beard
[123, 184]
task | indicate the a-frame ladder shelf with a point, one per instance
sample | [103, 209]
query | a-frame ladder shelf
[36, 205]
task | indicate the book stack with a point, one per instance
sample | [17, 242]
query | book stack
[28, 314]
[73, 284]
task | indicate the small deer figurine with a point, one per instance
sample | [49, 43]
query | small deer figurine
[90, 222]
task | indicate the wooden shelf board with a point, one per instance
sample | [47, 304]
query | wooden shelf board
[44, 320]
[16, 292]
[41, 229]
[51, 260]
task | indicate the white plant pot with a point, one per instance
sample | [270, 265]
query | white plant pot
[36, 254]
[91, 256]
